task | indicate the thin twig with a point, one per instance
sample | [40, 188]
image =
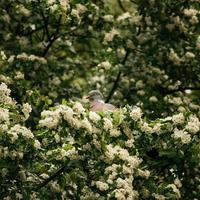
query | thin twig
[53, 38]
[121, 5]
[115, 84]
[45, 20]
[58, 173]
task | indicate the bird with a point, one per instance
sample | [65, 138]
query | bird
[97, 102]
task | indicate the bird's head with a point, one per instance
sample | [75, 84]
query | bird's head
[95, 95]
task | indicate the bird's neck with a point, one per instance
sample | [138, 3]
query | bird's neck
[98, 101]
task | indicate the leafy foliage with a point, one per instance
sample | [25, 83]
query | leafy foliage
[144, 57]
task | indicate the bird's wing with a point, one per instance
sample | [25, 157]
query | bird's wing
[101, 106]
[108, 106]
[97, 106]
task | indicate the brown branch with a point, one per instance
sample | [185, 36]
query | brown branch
[45, 20]
[58, 173]
[115, 84]
[52, 38]
[121, 5]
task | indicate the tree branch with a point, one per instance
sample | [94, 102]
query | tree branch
[45, 20]
[121, 5]
[115, 84]
[53, 38]
[56, 174]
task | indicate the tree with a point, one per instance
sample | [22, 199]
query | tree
[143, 55]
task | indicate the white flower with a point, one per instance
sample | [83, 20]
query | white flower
[26, 110]
[37, 144]
[189, 55]
[5, 95]
[159, 196]
[173, 56]
[153, 99]
[19, 75]
[3, 55]
[129, 143]
[146, 128]
[134, 161]
[86, 124]
[4, 115]
[193, 125]
[157, 128]
[141, 92]
[183, 135]
[107, 124]
[124, 16]
[110, 35]
[57, 138]
[115, 132]
[17, 130]
[136, 113]
[78, 107]
[108, 18]
[106, 65]
[144, 173]
[175, 190]
[67, 113]
[190, 12]
[49, 122]
[102, 186]
[178, 183]
[119, 195]
[81, 8]
[94, 117]
[140, 84]
[178, 119]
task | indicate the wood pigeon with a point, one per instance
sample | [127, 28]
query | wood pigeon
[97, 103]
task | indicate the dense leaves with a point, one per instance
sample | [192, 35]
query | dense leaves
[143, 56]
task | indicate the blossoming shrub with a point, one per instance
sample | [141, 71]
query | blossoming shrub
[143, 53]
[76, 153]
[18, 147]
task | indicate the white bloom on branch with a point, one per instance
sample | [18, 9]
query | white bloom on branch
[190, 12]
[175, 190]
[5, 95]
[178, 119]
[105, 64]
[107, 124]
[144, 173]
[86, 124]
[193, 125]
[94, 117]
[102, 186]
[115, 132]
[108, 18]
[153, 99]
[110, 36]
[78, 108]
[124, 16]
[4, 115]
[182, 135]
[189, 55]
[136, 113]
[26, 110]
[173, 56]
[140, 84]
[17, 130]
[37, 144]
[67, 113]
